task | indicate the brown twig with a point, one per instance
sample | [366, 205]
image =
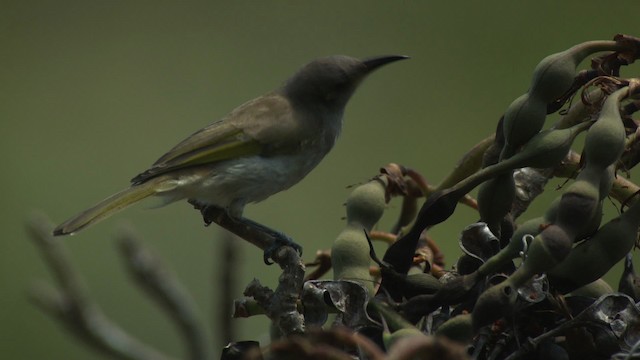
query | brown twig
[71, 305]
[323, 263]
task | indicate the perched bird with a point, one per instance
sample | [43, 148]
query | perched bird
[262, 147]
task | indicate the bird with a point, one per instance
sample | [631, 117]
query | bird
[262, 147]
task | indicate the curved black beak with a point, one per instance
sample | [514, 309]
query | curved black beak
[378, 61]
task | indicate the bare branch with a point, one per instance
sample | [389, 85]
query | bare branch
[71, 305]
[153, 277]
[226, 288]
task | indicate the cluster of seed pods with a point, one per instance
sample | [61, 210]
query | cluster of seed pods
[547, 244]
[576, 214]
[524, 118]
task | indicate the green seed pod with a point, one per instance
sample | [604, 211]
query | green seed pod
[578, 203]
[606, 138]
[603, 146]
[549, 147]
[350, 257]
[531, 227]
[606, 181]
[546, 250]
[583, 200]
[495, 197]
[546, 149]
[555, 74]
[593, 258]
[494, 303]
[350, 252]
[593, 289]
[522, 120]
[390, 339]
[366, 203]
[396, 327]
[512, 250]
[552, 77]
[458, 328]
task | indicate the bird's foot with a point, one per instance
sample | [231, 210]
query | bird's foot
[211, 212]
[208, 212]
[280, 240]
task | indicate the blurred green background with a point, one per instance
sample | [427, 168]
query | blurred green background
[92, 92]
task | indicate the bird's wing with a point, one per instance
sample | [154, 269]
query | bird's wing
[237, 135]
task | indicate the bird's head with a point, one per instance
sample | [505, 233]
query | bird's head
[329, 82]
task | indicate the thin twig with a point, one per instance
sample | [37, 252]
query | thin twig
[71, 305]
[226, 288]
[153, 277]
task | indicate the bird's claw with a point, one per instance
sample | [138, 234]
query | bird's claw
[208, 212]
[280, 240]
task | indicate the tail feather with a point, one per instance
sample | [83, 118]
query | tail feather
[107, 207]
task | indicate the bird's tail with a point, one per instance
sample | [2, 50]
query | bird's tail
[108, 207]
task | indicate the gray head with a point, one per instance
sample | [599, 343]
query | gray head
[329, 82]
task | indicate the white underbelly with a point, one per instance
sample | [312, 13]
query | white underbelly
[232, 184]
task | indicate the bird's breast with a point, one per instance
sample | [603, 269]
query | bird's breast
[250, 179]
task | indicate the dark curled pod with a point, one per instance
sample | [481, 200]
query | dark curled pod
[411, 285]
[420, 284]
[594, 257]
[350, 251]
[495, 197]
